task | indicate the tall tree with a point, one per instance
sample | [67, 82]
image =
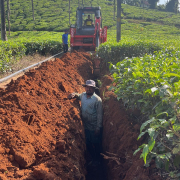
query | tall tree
[172, 6]
[3, 22]
[69, 12]
[8, 13]
[153, 4]
[118, 36]
[114, 9]
[33, 9]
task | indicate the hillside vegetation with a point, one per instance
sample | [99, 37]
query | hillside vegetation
[53, 15]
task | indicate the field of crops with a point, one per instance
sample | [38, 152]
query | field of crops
[53, 15]
[151, 15]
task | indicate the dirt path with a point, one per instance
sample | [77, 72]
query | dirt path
[41, 134]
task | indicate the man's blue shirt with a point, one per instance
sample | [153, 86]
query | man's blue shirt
[65, 38]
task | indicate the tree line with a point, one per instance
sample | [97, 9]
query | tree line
[170, 6]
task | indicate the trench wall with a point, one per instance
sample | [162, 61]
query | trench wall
[120, 134]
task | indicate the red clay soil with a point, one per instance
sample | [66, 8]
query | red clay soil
[41, 133]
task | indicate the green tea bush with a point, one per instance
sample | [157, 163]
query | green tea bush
[25, 43]
[114, 52]
[152, 84]
[10, 52]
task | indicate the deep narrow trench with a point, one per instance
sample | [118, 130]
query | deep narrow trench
[96, 173]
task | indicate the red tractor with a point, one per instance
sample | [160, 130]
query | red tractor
[88, 32]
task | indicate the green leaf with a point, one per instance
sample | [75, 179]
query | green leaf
[151, 144]
[137, 93]
[171, 74]
[148, 91]
[137, 150]
[176, 127]
[145, 152]
[172, 120]
[146, 123]
[162, 113]
[141, 134]
[151, 132]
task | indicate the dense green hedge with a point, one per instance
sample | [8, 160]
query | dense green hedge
[114, 52]
[152, 84]
[24, 43]
[10, 52]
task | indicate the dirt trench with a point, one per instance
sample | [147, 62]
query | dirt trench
[41, 133]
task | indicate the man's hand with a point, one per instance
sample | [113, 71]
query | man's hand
[71, 96]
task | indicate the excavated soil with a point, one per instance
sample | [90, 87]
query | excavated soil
[41, 133]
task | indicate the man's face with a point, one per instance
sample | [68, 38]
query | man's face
[89, 90]
[88, 16]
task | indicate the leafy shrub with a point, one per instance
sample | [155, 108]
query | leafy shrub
[152, 85]
[10, 52]
[42, 42]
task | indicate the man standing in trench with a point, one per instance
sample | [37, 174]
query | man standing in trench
[91, 114]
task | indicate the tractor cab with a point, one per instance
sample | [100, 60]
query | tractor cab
[86, 20]
[88, 32]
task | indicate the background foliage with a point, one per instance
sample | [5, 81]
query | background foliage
[152, 84]
[24, 43]
[53, 15]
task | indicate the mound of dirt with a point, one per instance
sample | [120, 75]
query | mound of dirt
[41, 134]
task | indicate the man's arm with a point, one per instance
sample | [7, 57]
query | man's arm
[99, 115]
